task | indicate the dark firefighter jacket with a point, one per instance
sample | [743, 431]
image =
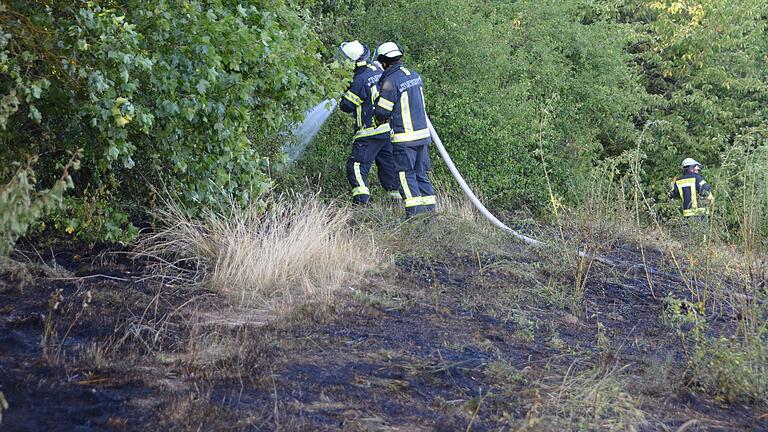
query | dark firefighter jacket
[688, 188]
[359, 101]
[401, 103]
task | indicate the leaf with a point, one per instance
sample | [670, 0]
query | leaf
[121, 120]
[112, 153]
[128, 162]
[34, 114]
[202, 86]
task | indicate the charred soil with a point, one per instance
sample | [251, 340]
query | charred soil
[459, 343]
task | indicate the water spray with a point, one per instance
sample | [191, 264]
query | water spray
[304, 132]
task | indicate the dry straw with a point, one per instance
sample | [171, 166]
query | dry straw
[299, 249]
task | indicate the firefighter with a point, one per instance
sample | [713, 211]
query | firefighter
[401, 105]
[690, 187]
[370, 143]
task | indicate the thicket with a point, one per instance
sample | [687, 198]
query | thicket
[185, 96]
[196, 96]
[707, 62]
[529, 95]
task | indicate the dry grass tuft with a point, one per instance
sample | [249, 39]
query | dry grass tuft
[459, 206]
[299, 249]
[594, 399]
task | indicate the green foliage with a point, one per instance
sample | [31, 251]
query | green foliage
[18, 87]
[21, 204]
[572, 73]
[195, 96]
[732, 367]
[92, 218]
[188, 96]
[512, 88]
[741, 196]
[706, 61]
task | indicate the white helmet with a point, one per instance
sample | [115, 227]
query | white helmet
[689, 162]
[352, 50]
[388, 50]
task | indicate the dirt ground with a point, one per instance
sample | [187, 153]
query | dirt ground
[428, 345]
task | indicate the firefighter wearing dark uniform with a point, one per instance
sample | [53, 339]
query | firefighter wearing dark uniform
[370, 143]
[689, 188]
[401, 104]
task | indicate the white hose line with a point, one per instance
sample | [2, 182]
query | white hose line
[479, 205]
[471, 195]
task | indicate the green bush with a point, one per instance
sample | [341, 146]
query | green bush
[188, 96]
[511, 88]
[706, 63]
[21, 205]
[732, 367]
[741, 195]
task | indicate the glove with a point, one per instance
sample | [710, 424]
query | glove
[375, 122]
[672, 187]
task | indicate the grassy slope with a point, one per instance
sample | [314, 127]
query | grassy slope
[461, 328]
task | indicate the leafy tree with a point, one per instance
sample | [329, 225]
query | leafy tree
[706, 61]
[190, 96]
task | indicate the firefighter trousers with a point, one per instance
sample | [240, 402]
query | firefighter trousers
[364, 153]
[412, 164]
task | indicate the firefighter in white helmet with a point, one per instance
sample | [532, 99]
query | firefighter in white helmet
[371, 142]
[401, 105]
[690, 188]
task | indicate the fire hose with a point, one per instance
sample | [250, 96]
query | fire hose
[479, 205]
[471, 195]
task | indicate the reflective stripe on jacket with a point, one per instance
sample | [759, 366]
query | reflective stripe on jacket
[401, 102]
[688, 188]
[359, 98]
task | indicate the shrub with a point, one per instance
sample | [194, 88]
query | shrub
[740, 211]
[731, 366]
[511, 88]
[190, 95]
[21, 204]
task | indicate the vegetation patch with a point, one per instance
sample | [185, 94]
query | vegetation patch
[299, 249]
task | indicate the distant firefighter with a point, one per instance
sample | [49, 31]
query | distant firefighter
[690, 188]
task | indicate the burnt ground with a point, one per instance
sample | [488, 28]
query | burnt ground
[471, 342]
